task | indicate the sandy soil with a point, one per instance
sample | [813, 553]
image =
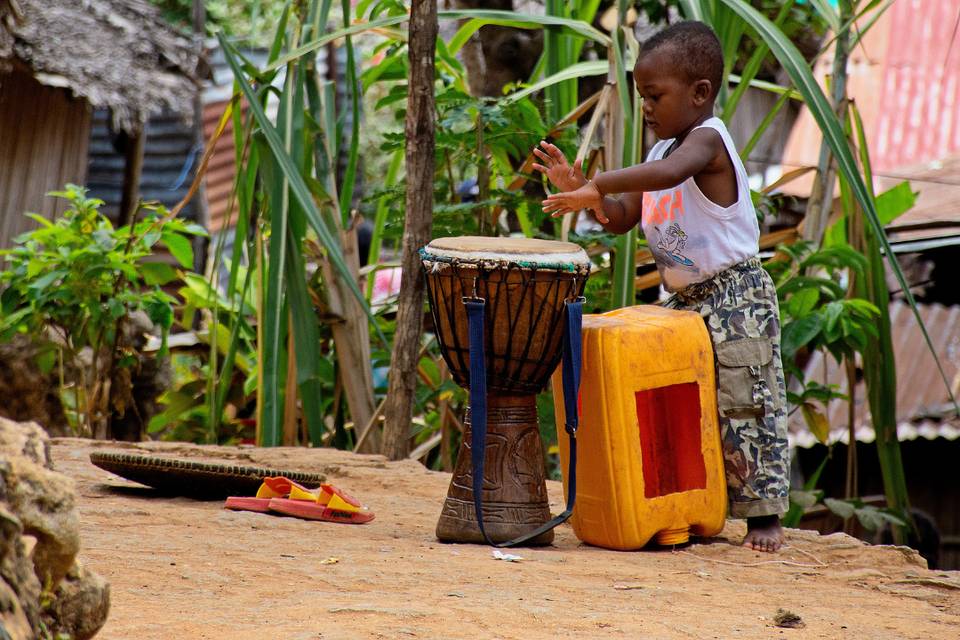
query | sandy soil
[181, 568]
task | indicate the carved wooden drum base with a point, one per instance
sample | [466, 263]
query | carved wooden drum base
[514, 480]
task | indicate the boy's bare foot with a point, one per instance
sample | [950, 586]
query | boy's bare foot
[764, 533]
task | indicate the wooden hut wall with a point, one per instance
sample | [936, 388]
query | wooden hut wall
[44, 133]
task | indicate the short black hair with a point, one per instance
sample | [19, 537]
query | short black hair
[694, 50]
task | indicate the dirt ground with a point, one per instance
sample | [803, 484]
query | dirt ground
[185, 569]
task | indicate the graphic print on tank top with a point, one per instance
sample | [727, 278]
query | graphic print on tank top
[668, 242]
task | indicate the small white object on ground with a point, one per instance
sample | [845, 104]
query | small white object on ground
[509, 557]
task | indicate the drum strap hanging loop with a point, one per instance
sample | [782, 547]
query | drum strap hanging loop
[478, 407]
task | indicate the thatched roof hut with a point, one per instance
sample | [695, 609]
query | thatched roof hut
[119, 54]
[59, 59]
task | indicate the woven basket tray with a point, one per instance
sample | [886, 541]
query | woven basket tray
[204, 480]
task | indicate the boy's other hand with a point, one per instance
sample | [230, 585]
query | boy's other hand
[586, 197]
[555, 167]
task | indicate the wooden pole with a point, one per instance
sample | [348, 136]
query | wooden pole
[201, 206]
[132, 170]
[419, 129]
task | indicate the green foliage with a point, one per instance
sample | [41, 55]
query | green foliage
[815, 310]
[187, 406]
[71, 282]
[471, 131]
[817, 313]
[871, 518]
[252, 20]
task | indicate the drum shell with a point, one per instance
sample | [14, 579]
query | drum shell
[523, 320]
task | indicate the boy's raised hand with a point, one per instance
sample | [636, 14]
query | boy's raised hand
[555, 167]
[586, 197]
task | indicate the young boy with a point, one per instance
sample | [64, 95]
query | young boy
[692, 198]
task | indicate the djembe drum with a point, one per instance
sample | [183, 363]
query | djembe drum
[516, 297]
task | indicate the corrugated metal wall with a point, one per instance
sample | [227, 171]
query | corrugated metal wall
[221, 169]
[43, 145]
[168, 163]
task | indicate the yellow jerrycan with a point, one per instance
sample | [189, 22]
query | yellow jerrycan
[649, 461]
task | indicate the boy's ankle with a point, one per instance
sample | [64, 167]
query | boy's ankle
[762, 522]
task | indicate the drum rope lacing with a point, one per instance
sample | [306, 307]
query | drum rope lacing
[517, 371]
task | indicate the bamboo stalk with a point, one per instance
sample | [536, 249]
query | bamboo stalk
[377, 414]
[351, 341]
[425, 447]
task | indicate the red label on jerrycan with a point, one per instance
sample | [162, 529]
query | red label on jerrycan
[650, 464]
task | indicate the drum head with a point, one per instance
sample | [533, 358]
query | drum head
[527, 252]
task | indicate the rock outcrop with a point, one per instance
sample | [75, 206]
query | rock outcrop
[43, 587]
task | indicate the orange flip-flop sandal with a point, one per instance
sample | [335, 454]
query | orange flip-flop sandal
[329, 504]
[272, 487]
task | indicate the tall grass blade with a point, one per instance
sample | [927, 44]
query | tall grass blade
[579, 70]
[298, 186]
[350, 175]
[624, 275]
[879, 365]
[477, 17]
[751, 68]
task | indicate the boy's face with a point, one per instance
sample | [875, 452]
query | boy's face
[671, 103]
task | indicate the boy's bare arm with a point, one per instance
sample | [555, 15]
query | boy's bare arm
[691, 157]
[622, 213]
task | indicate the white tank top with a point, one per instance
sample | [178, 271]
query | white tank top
[691, 237]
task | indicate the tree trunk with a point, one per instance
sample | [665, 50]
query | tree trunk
[496, 55]
[419, 129]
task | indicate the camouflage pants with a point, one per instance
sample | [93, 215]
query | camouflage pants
[739, 307]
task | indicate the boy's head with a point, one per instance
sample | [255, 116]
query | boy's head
[693, 49]
[684, 65]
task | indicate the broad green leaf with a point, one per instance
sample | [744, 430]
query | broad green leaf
[157, 273]
[805, 499]
[39, 219]
[840, 507]
[803, 302]
[798, 333]
[894, 202]
[869, 517]
[891, 204]
[180, 248]
[160, 312]
[46, 359]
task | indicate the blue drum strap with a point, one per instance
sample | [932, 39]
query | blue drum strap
[478, 409]
[478, 402]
